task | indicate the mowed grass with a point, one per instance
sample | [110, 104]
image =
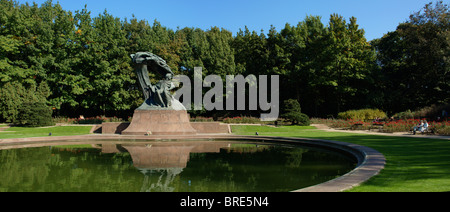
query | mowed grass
[27, 132]
[412, 164]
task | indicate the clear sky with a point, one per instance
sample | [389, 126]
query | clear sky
[376, 17]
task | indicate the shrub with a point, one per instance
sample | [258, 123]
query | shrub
[443, 130]
[34, 115]
[292, 112]
[15, 96]
[405, 115]
[440, 128]
[291, 105]
[363, 114]
[297, 118]
[430, 112]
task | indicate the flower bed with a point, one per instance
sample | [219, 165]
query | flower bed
[201, 119]
[441, 128]
[402, 125]
[242, 120]
[343, 124]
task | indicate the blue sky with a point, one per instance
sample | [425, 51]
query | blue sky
[376, 17]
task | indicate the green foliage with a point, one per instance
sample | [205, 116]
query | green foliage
[330, 64]
[11, 97]
[84, 60]
[363, 114]
[291, 105]
[14, 96]
[292, 112]
[404, 115]
[415, 60]
[430, 112]
[35, 114]
[295, 118]
[441, 129]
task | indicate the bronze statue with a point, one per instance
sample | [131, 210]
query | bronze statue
[158, 96]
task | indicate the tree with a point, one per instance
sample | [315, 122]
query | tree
[167, 45]
[138, 34]
[251, 53]
[85, 60]
[109, 72]
[34, 114]
[15, 98]
[15, 38]
[350, 60]
[414, 60]
[306, 45]
[327, 66]
[220, 60]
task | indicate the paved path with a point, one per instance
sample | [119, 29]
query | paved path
[401, 134]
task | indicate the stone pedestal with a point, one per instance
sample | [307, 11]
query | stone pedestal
[160, 122]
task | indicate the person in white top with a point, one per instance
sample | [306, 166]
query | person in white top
[418, 127]
[424, 127]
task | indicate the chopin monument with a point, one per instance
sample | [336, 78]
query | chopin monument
[161, 113]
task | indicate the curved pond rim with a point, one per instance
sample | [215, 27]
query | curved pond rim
[369, 161]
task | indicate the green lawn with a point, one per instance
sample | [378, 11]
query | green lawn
[25, 132]
[413, 164]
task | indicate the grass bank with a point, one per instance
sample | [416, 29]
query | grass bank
[27, 132]
[412, 164]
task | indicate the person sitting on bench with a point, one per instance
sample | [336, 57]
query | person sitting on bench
[418, 127]
[425, 126]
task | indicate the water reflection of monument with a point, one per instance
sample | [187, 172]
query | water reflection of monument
[162, 162]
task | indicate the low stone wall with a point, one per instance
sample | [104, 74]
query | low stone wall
[200, 127]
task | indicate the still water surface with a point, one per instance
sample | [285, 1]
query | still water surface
[216, 166]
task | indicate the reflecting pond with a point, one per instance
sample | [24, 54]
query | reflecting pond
[195, 166]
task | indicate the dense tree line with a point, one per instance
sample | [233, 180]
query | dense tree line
[414, 61]
[79, 64]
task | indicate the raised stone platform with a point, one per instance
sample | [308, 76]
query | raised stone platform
[200, 127]
[160, 122]
[113, 127]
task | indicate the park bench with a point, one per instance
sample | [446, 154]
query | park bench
[356, 126]
[426, 131]
[378, 126]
